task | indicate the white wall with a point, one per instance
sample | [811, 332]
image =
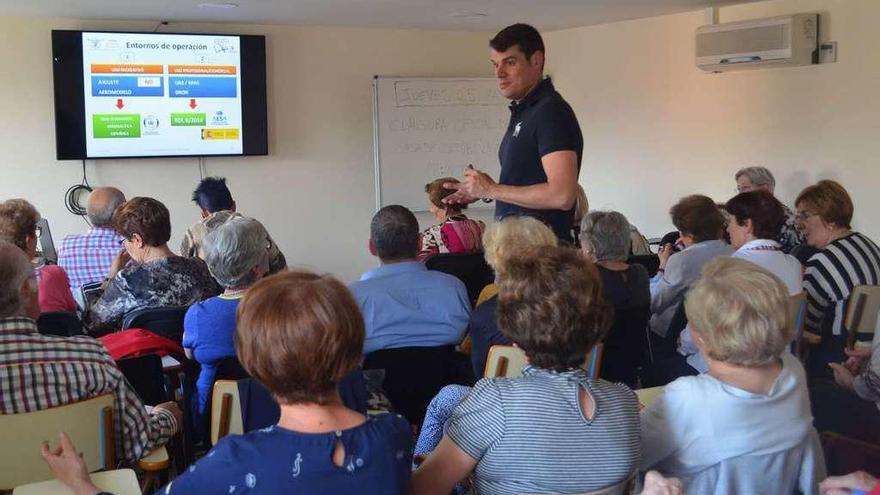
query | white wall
[314, 192]
[657, 128]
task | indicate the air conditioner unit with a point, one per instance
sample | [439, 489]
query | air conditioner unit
[760, 43]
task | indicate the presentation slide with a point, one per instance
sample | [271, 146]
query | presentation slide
[162, 94]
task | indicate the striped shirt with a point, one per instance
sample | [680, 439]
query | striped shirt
[831, 275]
[40, 372]
[528, 434]
[87, 258]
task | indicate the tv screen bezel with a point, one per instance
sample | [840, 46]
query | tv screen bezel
[69, 92]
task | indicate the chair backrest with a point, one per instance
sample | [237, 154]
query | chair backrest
[225, 410]
[166, 322]
[470, 268]
[508, 361]
[89, 424]
[117, 482]
[505, 361]
[797, 307]
[147, 378]
[59, 323]
[861, 313]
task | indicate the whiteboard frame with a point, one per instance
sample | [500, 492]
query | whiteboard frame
[377, 157]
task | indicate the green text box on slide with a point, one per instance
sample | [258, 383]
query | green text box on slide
[117, 125]
[195, 119]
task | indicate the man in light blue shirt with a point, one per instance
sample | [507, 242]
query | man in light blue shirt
[403, 303]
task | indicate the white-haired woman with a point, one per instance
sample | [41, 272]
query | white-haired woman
[745, 426]
[237, 255]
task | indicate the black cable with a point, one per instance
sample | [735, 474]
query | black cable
[72, 196]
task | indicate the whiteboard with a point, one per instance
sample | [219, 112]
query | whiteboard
[425, 129]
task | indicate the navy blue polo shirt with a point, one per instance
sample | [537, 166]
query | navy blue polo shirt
[539, 124]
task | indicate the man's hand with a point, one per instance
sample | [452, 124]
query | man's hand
[475, 185]
[174, 409]
[68, 466]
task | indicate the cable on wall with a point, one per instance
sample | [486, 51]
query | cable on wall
[74, 197]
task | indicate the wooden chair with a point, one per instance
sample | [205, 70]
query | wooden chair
[861, 314]
[797, 308]
[88, 423]
[225, 410]
[117, 482]
[647, 396]
[508, 361]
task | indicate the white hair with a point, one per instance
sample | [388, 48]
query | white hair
[758, 176]
[234, 248]
[607, 235]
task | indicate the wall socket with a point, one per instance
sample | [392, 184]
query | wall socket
[828, 52]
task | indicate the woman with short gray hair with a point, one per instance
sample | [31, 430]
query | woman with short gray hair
[237, 254]
[605, 237]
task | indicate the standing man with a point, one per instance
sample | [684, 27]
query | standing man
[541, 151]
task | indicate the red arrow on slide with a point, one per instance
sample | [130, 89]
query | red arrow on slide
[192, 103]
[119, 103]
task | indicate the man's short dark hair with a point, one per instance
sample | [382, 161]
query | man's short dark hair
[699, 217]
[524, 35]
[395, 233]
[213, 195]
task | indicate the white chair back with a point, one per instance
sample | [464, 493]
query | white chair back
[88, 423]
[117, 482]
[861, 313]
[225, 410]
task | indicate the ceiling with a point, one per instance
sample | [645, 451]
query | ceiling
[470, 15]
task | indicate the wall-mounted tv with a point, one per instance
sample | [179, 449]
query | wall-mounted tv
[128, 95]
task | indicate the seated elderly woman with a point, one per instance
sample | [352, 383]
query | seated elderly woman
[605, 238]
[552, 430]
[845, 259]
[318, 445]
[502, 240]
[455, 233]
[699, 223]
[146, 274]
[745, 426]
[237, 255]
[18, 225]
[755, 219]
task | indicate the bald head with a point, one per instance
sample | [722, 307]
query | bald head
[103, 201]
[18, 288]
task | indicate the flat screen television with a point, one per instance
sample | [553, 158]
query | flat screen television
[135, 95]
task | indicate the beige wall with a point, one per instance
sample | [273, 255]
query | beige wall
[314, 192]
[656, 127]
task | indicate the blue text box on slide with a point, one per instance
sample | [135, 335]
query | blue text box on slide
[121, 86]
[202, 87]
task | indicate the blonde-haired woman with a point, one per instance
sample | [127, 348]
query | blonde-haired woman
[745, 426]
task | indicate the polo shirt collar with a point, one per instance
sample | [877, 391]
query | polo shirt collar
[543, 88]
[17, 325]
[394, 269]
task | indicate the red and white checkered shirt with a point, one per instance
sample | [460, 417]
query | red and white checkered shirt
[39, 372]
[87, 257]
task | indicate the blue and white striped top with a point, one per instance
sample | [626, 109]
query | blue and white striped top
[528, 434]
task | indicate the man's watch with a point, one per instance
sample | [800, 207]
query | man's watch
[486, 200]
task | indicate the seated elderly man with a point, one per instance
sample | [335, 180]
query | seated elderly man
[760, 179]
[217, 206]
[87, 257]
[411, 315]
[39, 371]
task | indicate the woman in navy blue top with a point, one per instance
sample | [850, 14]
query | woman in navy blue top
[298, 333]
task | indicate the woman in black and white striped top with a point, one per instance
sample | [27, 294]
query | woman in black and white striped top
[846, 259]
[553, 430]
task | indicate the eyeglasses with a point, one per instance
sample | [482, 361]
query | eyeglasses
[803, 216]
